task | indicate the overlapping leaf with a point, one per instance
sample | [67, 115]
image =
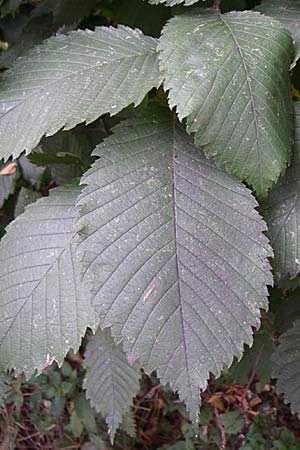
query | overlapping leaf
[174, 253]
[281, 211]
[288, 12]
[44, 308]
[111, 382]
[74, 78]
[286, 366]
[228, 74]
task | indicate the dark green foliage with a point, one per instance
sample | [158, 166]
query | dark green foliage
[164, 249]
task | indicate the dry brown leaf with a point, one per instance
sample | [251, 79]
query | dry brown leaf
[9, 169]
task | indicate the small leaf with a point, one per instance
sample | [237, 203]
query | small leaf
[281, 211]
[128, 424]
[9, 169]
[45, 159]
[84, 75]
[229, 75]
[85, 412]
[44, 307]
[288, 13]
[76, 424]
[111, 382]
[173, 252]
[286, 366]
[233, 421]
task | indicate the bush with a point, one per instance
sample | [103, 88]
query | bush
[164, 248]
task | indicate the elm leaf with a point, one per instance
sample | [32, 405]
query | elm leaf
[281, 211]
[111, 382]
[288, 13]
[173, 252]
[71, 79]
[44, 306]
[228, 74]
[286, 366]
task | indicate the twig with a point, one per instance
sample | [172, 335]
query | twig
[71, 447]
[221, 428]
[257, 359]
[247, 421]
[30, 436]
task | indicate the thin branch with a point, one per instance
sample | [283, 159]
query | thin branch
[221, 428]
[257, 360]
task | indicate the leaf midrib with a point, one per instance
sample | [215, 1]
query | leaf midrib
[250, 92]
[173, 162]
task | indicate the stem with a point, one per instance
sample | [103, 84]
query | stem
[221, 428]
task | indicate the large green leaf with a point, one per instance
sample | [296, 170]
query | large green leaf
[288, 12]
[281, 211]
[111, 382]
[71, 79]
[174, 253]
[44, 307]
[228, 74]
[286, 366]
